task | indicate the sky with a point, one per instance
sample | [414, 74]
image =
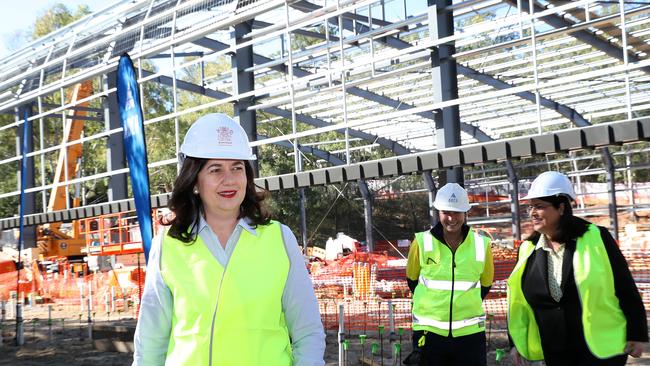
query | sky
[20, 16]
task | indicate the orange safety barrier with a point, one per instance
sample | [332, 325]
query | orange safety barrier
[371, 286]
[374, 290]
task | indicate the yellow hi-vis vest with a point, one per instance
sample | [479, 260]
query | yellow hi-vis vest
[602, 318]
[228, 316]
[448, 295]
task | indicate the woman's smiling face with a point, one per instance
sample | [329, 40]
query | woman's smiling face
[544, 216]
[222, 186]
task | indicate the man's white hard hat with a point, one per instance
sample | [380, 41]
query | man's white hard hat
[216, 136]
[452, 197]
[551, 184]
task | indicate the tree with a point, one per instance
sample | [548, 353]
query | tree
[48, 21]
[56, 17]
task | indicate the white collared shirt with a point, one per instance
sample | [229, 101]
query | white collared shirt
[555, 261]
[298, 302]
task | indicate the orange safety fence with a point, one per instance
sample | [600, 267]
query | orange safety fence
[73, 288]
[371, 287]
[373, 291]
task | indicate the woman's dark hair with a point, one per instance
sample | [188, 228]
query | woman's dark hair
[569, 227]
[187, 206]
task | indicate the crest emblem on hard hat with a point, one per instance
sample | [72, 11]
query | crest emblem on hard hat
[453, 198]
[224, 136]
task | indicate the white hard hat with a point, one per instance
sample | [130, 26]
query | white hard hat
[452, 197]
[216, 136]
[551, 184]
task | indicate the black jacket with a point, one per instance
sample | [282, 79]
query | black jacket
[560, 323]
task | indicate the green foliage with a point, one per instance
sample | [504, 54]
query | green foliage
[58, 16]
[9, 181]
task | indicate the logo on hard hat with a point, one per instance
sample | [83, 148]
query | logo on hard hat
[453, 199]
[224, 136]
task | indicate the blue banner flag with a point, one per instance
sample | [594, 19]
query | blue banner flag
[134, 146]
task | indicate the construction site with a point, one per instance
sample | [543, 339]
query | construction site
[358, 111]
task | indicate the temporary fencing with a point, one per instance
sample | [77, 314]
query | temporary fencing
[374, 293]
[373, 290]
[371, 287]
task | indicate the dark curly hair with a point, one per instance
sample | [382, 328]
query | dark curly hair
[188, 207]
[569, 227]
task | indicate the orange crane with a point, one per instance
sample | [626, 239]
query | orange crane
[51, 240]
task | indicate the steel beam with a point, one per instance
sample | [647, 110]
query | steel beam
[445, 84]
[29, 230]
[592, 137]
[115, 159]
[585, 36]
[244, 82]
[432, 190]
[514, 202]
[362, 93]
[367, 210]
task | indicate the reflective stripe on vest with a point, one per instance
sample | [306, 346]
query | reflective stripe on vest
[602, 318]
[434, 302]
[428, 242]
[447, 285]
[445, 325]
[246, 304]
[480, 249]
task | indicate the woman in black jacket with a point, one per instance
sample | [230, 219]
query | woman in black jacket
[571, 297]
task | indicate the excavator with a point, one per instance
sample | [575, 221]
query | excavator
[56, 240]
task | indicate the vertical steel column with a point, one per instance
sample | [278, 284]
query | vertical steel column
[630, 184]
[303, 217]
[367, 206]
[29, 232]
[445, 83]
[431, 187]
[611, 190]
[115, 159]
[244, 82]
[514, 201]
[628, 92]
[533, 40]
[294, 126]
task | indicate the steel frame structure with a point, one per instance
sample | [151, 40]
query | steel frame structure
[528, 84]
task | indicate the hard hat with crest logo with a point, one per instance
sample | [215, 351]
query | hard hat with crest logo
[216, 136]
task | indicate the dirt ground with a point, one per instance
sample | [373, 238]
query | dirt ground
[69, 346]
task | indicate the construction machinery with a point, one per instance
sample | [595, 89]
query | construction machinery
[59, 239]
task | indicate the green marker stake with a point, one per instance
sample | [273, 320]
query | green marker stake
[398, 353]
[362, 340]
[381, 344]
[374, 349]
[500, 354]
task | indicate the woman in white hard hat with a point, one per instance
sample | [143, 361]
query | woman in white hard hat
[571, 297]
[225, 285]
[449, 271]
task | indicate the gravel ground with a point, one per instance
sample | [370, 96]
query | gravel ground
[67, 345]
